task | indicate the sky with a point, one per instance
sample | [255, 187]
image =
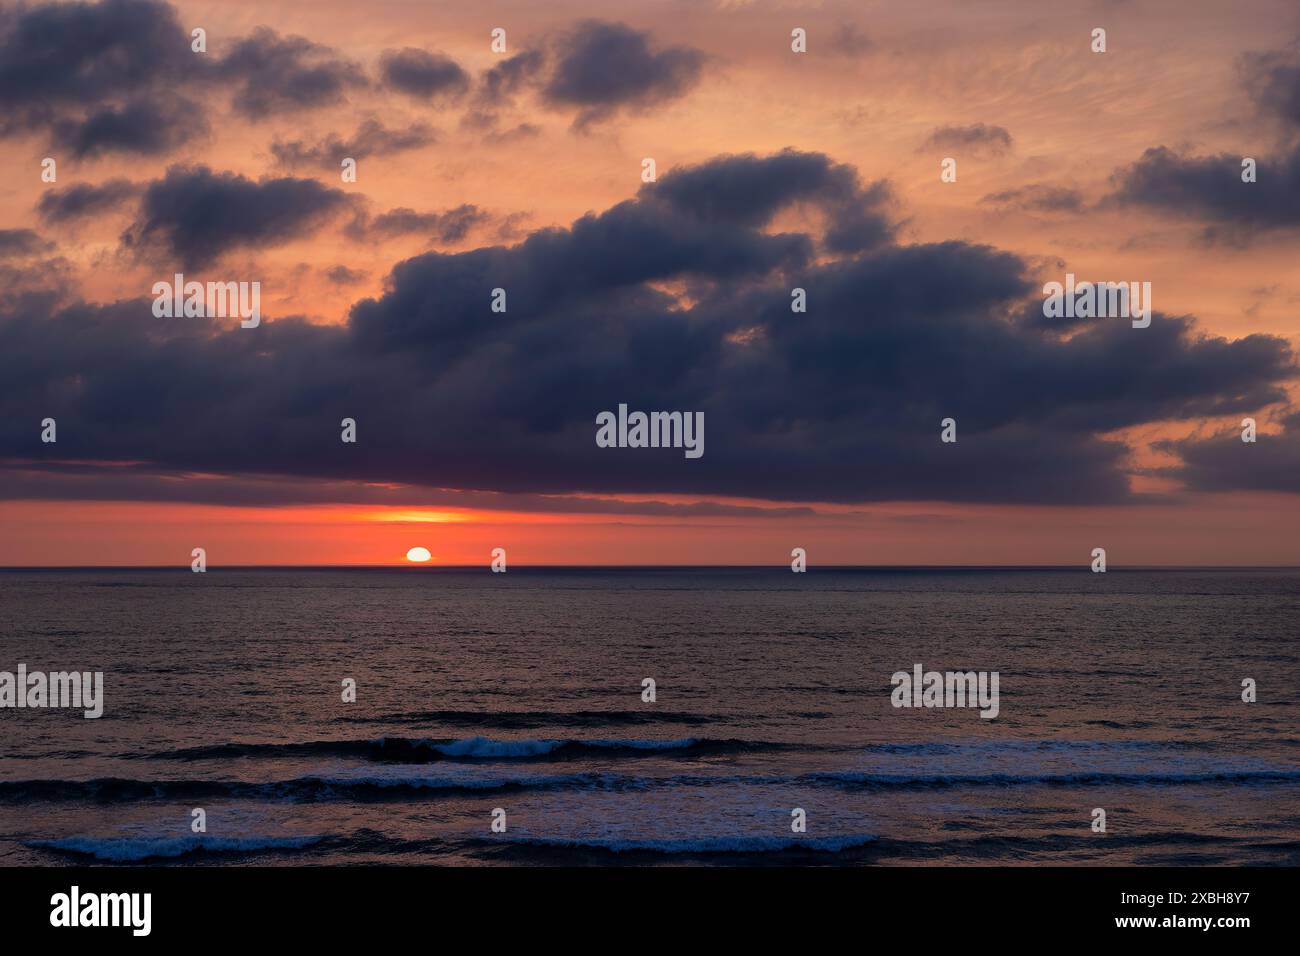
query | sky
[518, 161]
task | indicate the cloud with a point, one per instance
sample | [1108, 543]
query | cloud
[98, 77]
[1037, 197]
[749, 190]
[497, 90]
[1272, 79]
[372, 138]
[342, 275]
[422, 74]
[1211, 188]
[197, 215]
[275, 74]
[659, 303]
[120, 76]
[602, 68]
[147, 125]
[71, 53]
[449, 226]
[634, 242]
[20, 243]
[1223, 462]
[500, 83]
[975, 138]
[85, 199]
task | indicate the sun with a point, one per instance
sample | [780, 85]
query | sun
[418, 554]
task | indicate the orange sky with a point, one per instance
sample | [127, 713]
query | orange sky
[51, 534]
[879, 76]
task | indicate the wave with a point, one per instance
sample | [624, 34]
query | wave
[376, 784]
[136, 849]
[693, 846]
[391, 749]
[532, 720]
[921, 781]
[1028, 745]
[342, 785]
[413, 750]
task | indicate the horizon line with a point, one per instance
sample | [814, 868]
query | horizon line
[413, 566]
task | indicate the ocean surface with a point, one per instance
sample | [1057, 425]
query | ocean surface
[523, 692]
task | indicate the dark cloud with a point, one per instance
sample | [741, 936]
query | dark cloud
[499, 84]
[20, 243]
[85, 199]
[422, 74]
[497, 90]
[512, 227]
[663, 304]
[72, 53]
[1210, 188]
[147, 125]
[197, 215]
[748, 190]
[1037, 197]
[1223, 462]
[275, 74]
[120, 76]
[99, 77]
[863, 222]
[975, 138]
[597, 68]
[602, 68]
[449, 226]
[1272, 79]
[342, 275]
[372, 138]
[635, 242]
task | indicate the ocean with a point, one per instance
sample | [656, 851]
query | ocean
[518, 699]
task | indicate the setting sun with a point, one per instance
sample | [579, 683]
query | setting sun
[418, 554]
